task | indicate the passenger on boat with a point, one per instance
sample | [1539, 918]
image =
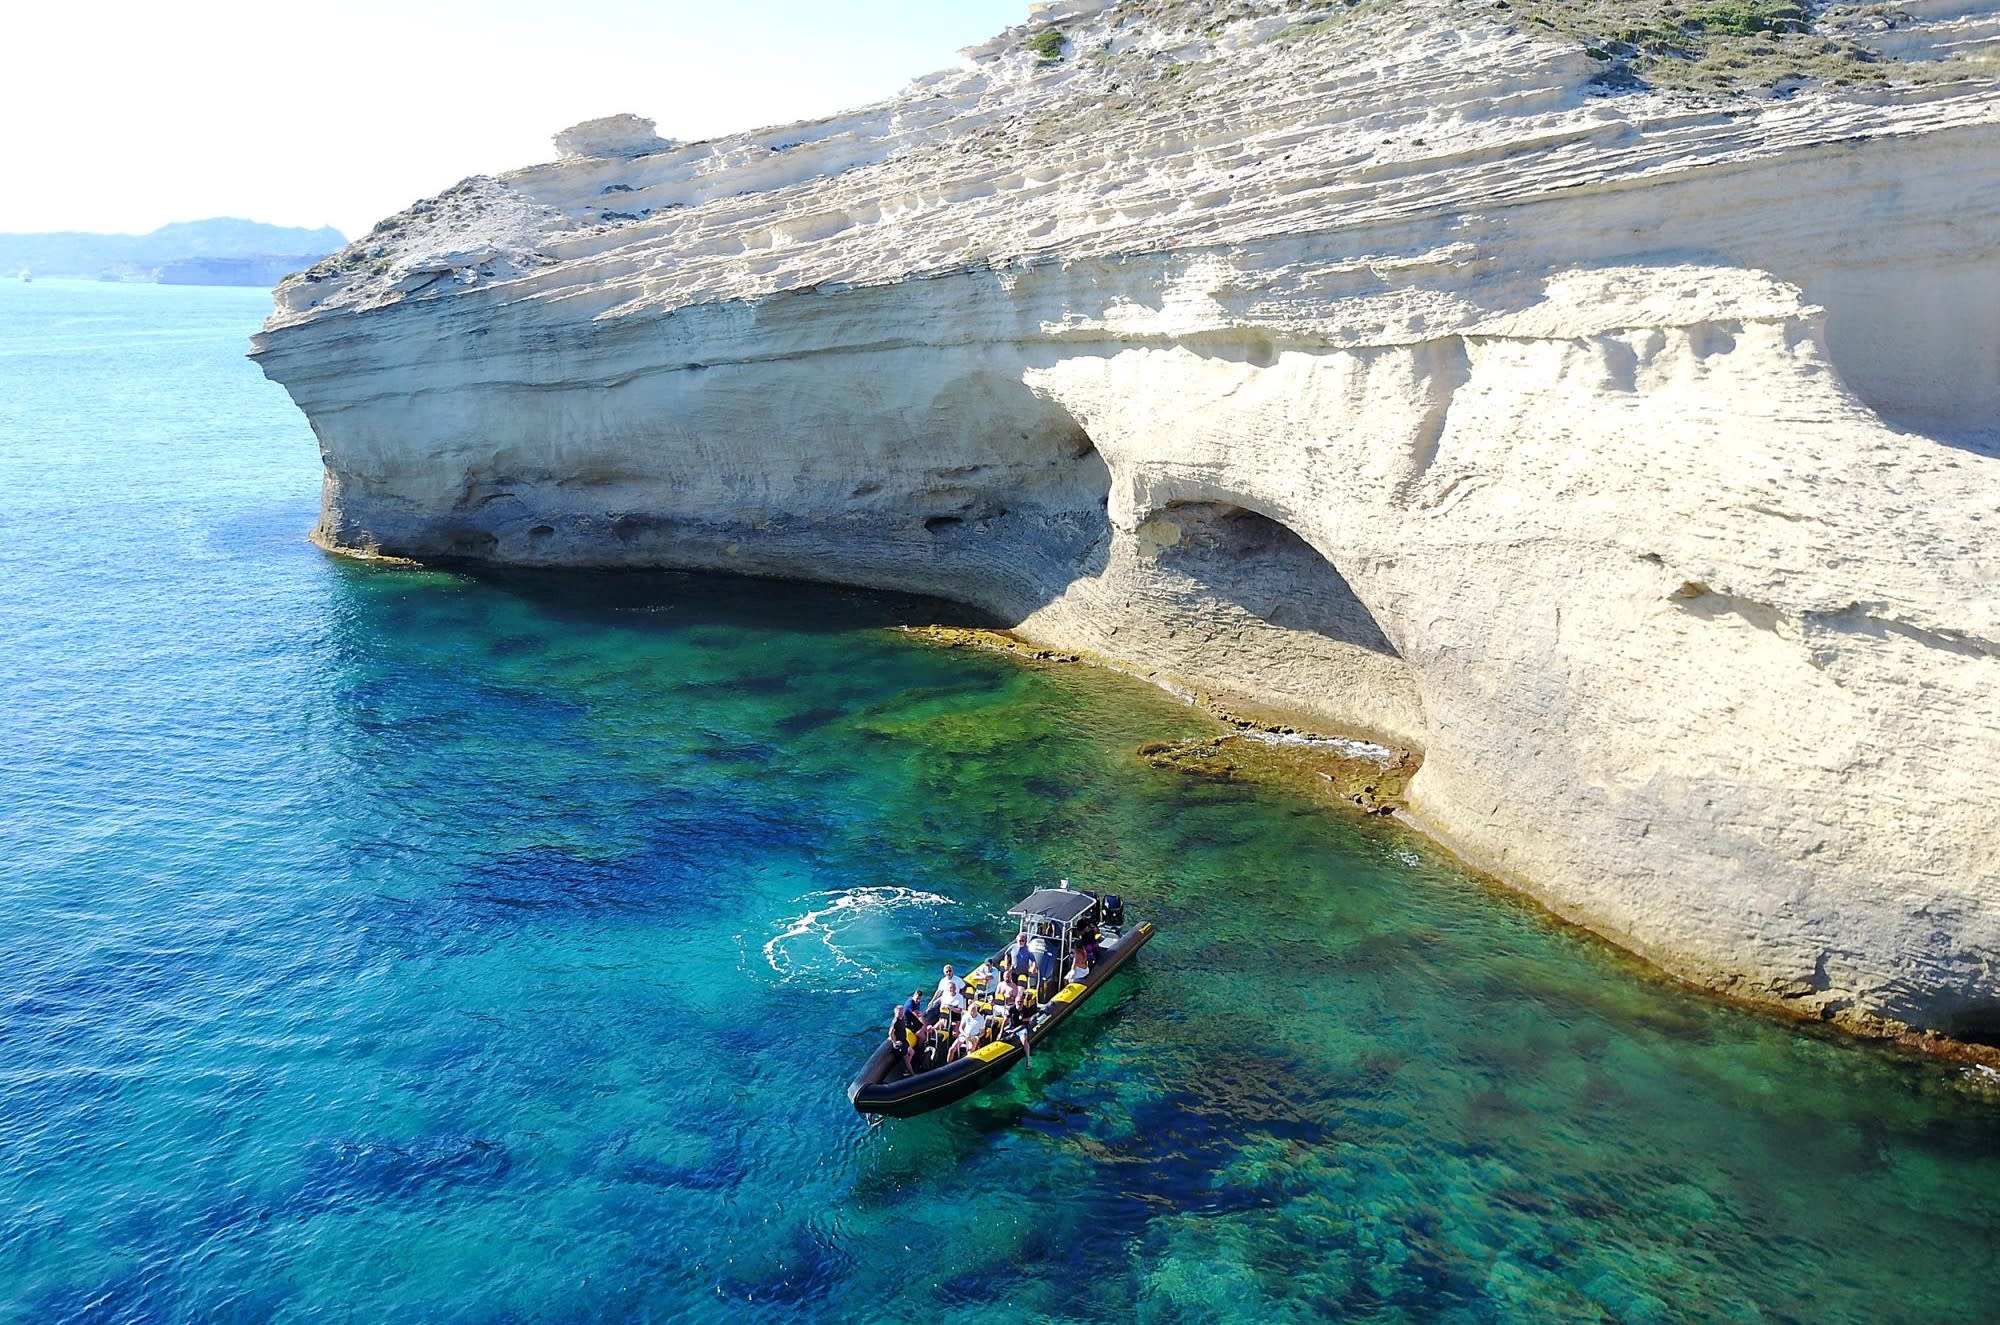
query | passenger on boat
[982, 976]
[915, 1003]
[949, 983]
[903, 1035]
[1079, 966]
[1020, 957]
[969, 1032]
[1090, 941]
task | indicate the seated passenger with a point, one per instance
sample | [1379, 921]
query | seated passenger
[952, 1002]
[1079, 965]
[949, 983]
[970, 1031]
[982, 976]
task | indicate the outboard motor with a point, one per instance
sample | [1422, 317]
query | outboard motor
[1114, 910]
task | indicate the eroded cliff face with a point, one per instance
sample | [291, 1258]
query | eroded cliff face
[1632, 458]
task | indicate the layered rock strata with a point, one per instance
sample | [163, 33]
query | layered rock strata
[1633, 458]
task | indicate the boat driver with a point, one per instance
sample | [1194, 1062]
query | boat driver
[1018, 956]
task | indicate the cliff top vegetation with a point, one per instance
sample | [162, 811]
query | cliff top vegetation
[1717, 47]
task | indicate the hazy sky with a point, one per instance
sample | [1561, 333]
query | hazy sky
[122, 116]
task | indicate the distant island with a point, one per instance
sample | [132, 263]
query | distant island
[222, 250]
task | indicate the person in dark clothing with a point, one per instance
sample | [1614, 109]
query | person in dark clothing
[903, 1035]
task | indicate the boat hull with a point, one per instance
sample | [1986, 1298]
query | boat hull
[877, 1090]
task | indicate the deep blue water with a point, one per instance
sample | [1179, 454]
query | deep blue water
[382, 944]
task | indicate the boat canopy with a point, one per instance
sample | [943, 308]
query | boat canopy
[1057, 904]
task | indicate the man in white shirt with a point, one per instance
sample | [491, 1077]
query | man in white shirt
[950, 993]
[969, 1033]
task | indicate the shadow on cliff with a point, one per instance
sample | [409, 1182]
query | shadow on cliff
[1246, 558]
[674, 600]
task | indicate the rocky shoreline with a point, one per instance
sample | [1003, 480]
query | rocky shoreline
[1264, 746]
[1348, 774]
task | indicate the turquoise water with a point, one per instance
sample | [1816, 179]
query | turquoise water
[398, 945]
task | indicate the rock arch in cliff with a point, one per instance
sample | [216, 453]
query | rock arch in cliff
[989, 447]
[1245, 558]
[1001, 494]
[1253, 605]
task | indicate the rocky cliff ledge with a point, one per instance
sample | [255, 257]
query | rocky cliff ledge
[1630, 452]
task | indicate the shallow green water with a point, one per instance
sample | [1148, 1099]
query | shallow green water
[399, 945]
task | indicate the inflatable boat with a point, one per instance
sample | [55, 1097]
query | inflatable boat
[1055, 924]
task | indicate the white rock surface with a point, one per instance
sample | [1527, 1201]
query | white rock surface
[612, 137]
[1633, 458]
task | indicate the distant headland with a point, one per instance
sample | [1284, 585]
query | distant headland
[223, 250]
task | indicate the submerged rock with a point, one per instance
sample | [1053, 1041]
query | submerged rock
[1620, 451]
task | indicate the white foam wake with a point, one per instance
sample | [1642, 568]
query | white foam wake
[808, 947]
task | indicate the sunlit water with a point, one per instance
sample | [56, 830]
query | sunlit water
[388, 945]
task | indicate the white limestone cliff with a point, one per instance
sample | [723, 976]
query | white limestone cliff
[1634, 457]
